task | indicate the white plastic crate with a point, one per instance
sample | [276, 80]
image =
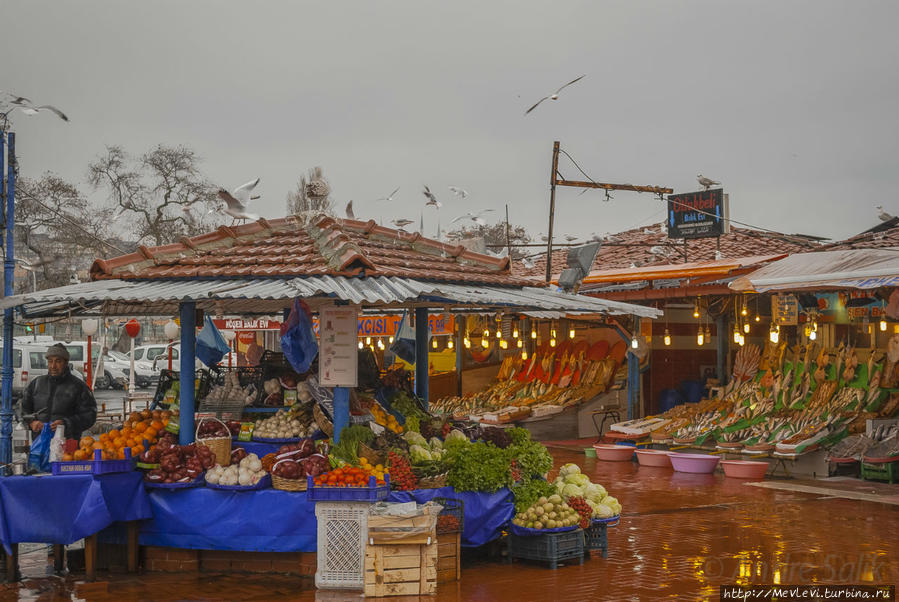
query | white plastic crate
[342, 528]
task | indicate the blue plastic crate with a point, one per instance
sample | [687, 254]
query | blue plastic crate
[372, 493]
[95, 466]
[550, 547]
[596, 538]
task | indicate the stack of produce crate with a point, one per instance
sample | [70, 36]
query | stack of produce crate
[401, 551]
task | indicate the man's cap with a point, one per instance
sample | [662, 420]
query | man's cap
[58, 350]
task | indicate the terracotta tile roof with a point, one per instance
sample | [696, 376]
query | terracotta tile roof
[876, 238]
[322, 246]
[635, 247]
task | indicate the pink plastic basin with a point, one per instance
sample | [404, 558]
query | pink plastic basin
[613, 453]
[697, 463]
[653, 457]
[744, 469]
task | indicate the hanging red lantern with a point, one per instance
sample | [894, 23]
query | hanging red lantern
[132, 327]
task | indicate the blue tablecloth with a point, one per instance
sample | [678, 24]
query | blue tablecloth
[63, 509]
[485, 513]
[269, 520]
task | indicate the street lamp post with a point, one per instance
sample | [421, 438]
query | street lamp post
[132, 328]
[171, 331]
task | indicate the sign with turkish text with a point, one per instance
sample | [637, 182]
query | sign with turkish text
[785, 310]
[385, 326]
[702, 214]
[240, 324]
[338, 354]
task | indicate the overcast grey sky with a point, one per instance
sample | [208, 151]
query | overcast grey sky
[793, 105]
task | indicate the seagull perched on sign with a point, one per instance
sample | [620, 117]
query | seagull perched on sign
[349, 210]
[460, 192]
[401, 223]
[475, 217]
[554, 95]
[432, 200]
[237, 200]
[883, 215]
[706, 182]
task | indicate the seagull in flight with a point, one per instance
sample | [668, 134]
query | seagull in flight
[390, 196]
[237, 200]
[554, 95]
[883, 215]
[706, 182]
[432, 200]
[459, 192]
[475, 217]
[570, 237]
[349, 210]
[402, 223]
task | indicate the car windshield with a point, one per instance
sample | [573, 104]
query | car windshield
[38, 359]
[152, 352]
[138, 354]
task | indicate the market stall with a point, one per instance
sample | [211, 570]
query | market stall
[335, 267]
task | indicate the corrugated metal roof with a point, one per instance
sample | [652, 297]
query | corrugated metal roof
[268, 295]
[854, 268]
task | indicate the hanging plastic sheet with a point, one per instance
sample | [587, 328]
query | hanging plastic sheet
[485, 513]
[63, 509]
[211, 345]
[403, 345]
[39, 456]
[298, 339]
[269, 520]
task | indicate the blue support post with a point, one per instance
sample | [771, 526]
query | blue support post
[633, 385]
[341, 411]
[9, 264]
[421, 354]
[188, 368]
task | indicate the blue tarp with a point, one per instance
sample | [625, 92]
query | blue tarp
[485, 513]
[269, 520]
[63, 509]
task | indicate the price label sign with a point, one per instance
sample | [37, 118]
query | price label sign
[338, 355]
[785, 310]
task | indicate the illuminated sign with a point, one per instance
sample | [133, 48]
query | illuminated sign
[702, 214]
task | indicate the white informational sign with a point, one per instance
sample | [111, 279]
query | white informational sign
[338, 353]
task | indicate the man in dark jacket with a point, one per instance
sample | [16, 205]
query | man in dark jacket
[60, 397]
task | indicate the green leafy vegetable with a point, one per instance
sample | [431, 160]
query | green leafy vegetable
[348, 447]
[478, 467]
[529, 491]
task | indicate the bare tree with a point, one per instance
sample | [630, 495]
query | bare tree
[162, 193]
[495, 235]
[59, 228]
[312, 194]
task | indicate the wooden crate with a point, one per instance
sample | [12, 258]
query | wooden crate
[402, 530]
[400, 570]
[449, 557]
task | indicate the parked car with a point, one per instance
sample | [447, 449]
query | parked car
[161, 360]
[29, 361]
[114, 374]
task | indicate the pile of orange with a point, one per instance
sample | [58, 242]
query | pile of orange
[140, 426]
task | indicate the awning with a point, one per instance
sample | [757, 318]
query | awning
[852, 268]
[264, 296]
[720, 267]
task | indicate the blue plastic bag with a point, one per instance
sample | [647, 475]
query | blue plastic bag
[403, 345]
[298, 339]
[211, 345]
[39, 457]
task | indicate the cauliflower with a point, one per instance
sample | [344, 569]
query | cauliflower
[568, 469]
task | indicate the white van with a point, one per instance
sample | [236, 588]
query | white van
[29, 362]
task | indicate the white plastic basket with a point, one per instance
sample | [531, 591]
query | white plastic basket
[342, 528]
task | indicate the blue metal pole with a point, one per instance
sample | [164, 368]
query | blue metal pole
[633, 384]
[188, 366]
[341, 411]
[9, 264]
[421, 354]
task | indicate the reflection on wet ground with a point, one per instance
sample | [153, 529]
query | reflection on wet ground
[681, 537]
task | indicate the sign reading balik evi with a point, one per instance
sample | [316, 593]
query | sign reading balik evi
[337, 351]
[702, 214]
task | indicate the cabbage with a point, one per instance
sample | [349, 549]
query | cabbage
[571, 490]
[455, 435]
[435, 443]
[413, 438]
[603, 511]
[612, 503]
[595, 492]
[581, 480]
[418, 454]
[568, 469]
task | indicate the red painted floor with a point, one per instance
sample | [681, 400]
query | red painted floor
[681, 536]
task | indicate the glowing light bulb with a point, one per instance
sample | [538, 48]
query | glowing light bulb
[737, 335]
[812, 335]
[700, 338]
[774, 336]
[571, 333]
[515, 333]
[553, 333]
[486, 332]
[390, 340]
[499, 334]
[758, 318]
[504, 344]
[524, 355]
[381, 344]
[434, 343]
[635, 343]
[744, 312]
[667, 338]
[368, 340]
[742, 340]
[450, 344]
[552, 342]
[746, 327]
[533, 333]
[519, 344]
[361, 345]
[467, 342]
[883, 325]
[485, 343]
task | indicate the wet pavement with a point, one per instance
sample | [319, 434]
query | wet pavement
[681, 536]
